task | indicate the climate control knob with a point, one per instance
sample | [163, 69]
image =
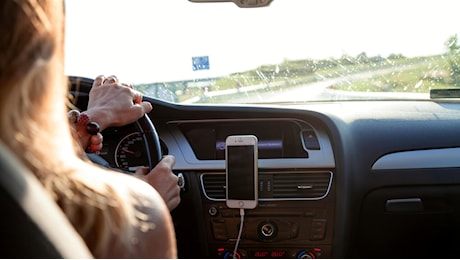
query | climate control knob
[304, 254]
[229, 255]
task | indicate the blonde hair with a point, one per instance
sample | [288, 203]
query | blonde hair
[33, 90]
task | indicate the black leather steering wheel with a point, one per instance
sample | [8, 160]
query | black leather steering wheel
[79, 89]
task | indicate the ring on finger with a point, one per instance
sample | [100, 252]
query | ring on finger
[181, 181]
[111, 79]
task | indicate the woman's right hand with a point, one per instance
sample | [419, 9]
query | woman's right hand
[162, 178]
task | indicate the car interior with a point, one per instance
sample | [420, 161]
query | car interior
[337, 181]
[374, 178]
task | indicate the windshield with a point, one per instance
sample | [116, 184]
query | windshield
[290, 51]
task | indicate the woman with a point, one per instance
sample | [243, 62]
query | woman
[118, 216]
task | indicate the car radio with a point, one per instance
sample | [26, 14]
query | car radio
[294, 227]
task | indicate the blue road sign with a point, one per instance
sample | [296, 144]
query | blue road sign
[200, 63]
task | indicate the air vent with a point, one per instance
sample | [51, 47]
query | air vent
[213, 185]
[275, 185]
[301, 185]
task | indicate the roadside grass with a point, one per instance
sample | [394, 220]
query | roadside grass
[430, 72]
[433, 73]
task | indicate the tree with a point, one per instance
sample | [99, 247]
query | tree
[452, 44]
[453, 54]
[362, 58]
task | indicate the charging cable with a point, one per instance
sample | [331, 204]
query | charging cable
[239, 233]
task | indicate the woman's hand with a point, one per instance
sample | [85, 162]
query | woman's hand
[115, 104]
[163, 180]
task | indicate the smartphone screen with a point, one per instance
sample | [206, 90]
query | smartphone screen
[242, 172]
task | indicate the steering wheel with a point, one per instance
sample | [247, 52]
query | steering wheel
[79, 89]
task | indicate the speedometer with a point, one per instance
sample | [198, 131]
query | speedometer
[130, 152]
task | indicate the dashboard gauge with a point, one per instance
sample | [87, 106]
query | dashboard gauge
[130, 152]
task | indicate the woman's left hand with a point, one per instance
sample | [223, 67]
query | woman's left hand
[115, 104]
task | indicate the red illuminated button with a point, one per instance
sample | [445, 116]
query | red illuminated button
[278, 254]
[261, 254]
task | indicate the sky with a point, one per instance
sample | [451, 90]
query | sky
[144, 41]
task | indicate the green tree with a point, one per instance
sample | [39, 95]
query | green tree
[452, 44]
[453, 54]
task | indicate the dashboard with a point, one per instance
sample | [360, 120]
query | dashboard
[364, 179]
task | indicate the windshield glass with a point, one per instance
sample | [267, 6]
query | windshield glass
[290, 51]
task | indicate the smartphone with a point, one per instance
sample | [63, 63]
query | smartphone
[241, 159]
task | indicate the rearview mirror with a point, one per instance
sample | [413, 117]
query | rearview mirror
[240, 3]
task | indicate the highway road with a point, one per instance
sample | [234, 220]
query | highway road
[316, 91]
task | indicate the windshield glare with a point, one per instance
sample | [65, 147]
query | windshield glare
[290, 51]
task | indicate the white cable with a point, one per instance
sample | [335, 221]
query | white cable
[239, 233]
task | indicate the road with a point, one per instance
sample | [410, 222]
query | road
[320, 90]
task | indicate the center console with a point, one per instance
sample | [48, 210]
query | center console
[295, 214]
[294, 218]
